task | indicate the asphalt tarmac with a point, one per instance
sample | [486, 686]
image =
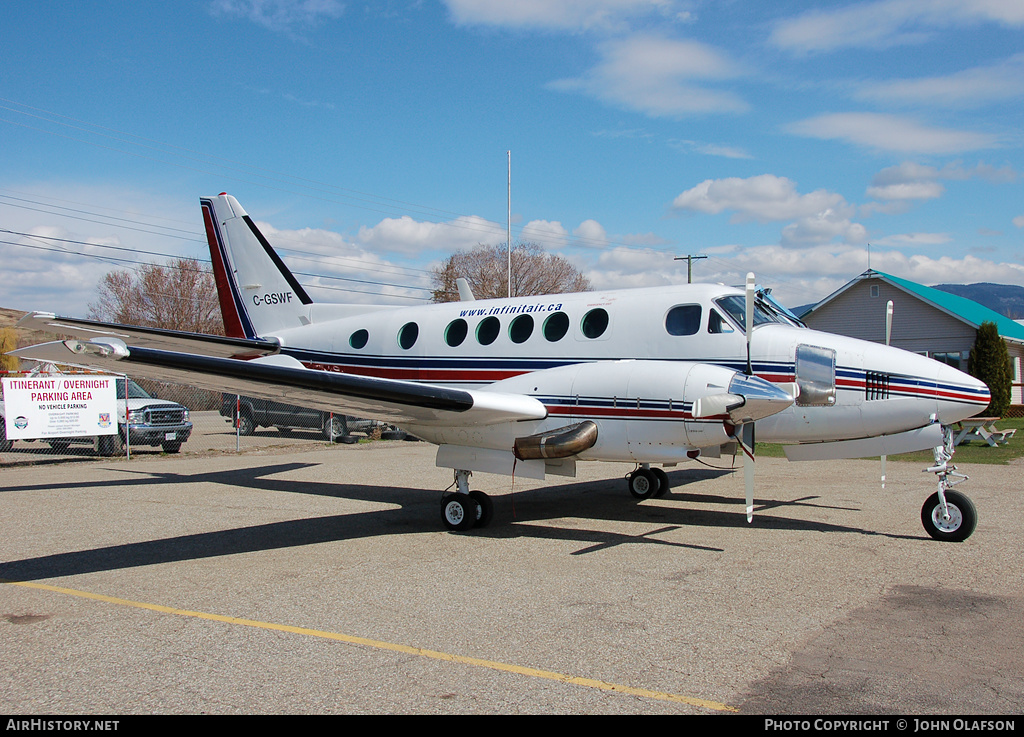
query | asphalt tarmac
[319, 580]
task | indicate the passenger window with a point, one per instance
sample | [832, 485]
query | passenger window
[595, 323]
[487, 331]
[556, 326]
[521, 329]
[408, 334]
[456, 332]
[716, 324]
[683, 320]
[358, 339]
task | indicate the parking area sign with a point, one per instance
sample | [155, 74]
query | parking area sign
[60, 406]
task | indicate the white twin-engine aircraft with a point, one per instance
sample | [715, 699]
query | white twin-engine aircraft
[531, 385]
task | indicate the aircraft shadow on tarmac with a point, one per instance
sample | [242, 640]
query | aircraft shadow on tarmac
[517, 515]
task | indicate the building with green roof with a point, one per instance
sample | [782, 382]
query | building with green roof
[925, 320]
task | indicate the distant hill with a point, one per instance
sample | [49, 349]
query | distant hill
[1005, 299]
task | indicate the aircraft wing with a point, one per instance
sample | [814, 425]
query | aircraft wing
[168, 340]
[282, 378]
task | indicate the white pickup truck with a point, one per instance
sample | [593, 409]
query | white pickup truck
[148, 420]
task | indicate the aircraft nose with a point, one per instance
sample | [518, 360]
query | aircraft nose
[959, 395]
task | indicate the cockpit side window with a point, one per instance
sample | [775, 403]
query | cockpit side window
[717, 323]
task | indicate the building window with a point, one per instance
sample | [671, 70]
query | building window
[874, 290]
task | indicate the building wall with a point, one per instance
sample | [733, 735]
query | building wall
[916, 326]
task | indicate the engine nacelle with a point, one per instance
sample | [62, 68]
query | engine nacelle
[644, 409]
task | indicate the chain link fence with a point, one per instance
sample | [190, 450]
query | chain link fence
[163, 418]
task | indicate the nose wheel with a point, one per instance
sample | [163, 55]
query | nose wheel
[953, 521]
[948, 515]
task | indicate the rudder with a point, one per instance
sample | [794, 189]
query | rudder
[258, 294]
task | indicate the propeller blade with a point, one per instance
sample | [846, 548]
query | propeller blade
[888, 337]
[750, 318]
[747, 443]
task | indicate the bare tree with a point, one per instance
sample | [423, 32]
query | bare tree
[179, 296]
[486, 270]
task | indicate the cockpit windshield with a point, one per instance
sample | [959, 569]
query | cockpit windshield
[765, 311]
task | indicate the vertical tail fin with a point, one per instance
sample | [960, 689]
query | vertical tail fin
[258, 294]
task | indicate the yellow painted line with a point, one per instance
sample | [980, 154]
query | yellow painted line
[380, 645]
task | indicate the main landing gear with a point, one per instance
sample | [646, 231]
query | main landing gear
[465, 509]
[646, 482]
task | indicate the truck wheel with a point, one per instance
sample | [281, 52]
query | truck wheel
[246, 426]
[110, 445]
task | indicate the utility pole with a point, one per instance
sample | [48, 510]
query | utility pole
[508, 237]
[689, 265]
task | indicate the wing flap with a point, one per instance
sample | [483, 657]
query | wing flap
[284, 379]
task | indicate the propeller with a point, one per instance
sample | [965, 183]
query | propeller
[888, 336]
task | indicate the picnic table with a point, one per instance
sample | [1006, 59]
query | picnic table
[982, 428]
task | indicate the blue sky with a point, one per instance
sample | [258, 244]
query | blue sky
[369, 139]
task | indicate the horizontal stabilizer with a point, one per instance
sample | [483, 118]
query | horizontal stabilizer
[168, 340]
[923, 438]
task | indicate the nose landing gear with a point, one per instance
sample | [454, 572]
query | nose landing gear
[948, 515]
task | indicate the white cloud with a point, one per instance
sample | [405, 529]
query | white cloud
[562, 15]
[888, 23]
[591, 232]
[765, 198]
[281, 16]
[911, 181]
[546, 233]
[966, 88]
[891, 133]
[660, 77]
[409, 236]
[1019, 221]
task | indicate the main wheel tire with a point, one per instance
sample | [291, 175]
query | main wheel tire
[643, 484]
[963, 517]
[663, 483]
[459, 512]
[485, 508]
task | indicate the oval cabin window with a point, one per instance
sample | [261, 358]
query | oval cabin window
[595, 323]
[408, 334]
[456, 332]
[358, 339]
[487, 331]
